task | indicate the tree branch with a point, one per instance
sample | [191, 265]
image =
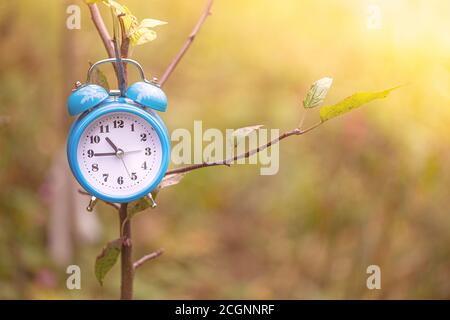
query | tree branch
[101, 28]
[187, 44]
[126, 263]
[127, 268]
[147, 257]
[228, 162]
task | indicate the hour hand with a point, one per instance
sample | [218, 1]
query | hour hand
[111, 144]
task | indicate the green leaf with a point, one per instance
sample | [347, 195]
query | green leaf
[352, 102]
[138, 206]
[317, 92]
[107, 258]
[98, 77]
[144, 203]
[238, 135]
[151, 23]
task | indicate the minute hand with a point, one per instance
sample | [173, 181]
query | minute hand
[104, 154]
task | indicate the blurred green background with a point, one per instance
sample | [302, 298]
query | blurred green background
[370, 187]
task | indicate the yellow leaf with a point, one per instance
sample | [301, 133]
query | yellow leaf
[138, 33]
[141, 36]
[118, 8]
[130, 22]
[151, 23]
[354, 101]
[92, 1]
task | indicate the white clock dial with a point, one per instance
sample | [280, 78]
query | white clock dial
[119, 154]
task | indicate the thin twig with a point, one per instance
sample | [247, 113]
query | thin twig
[148, 257]
[115, 206]
[187, 44]
[124, 48]
[230, 161]
[101, 28]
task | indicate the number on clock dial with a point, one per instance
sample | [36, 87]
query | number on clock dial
[119, 154]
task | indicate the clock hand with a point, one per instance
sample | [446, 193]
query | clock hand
[111, 144]
[126, 168]
[119, 153]
[133, 151]
[103, 154]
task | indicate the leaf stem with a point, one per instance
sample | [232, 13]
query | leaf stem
[302, 119]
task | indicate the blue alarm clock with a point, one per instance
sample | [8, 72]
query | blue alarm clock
[118, 148]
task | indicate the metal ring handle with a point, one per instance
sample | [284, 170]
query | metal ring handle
[114, 60]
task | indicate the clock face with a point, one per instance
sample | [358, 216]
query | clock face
[119, 154]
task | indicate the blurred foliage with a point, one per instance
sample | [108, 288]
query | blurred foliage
[370, 187]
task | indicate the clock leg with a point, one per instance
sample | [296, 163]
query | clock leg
[92, 204]
[152, 201]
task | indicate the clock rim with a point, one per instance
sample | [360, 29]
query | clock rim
[114, 107]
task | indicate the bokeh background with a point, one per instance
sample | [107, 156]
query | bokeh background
[370, 187]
